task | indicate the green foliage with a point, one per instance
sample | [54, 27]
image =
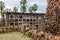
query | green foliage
[22, 2]
[1, 8]
[23, 5]
[33, 8]
[1, 5]
[15, 9]
[2, 21]
[30, 9]
[23, 8]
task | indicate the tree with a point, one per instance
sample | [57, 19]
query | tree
[1, 8]
[8, 10]
[33, 8]
[30, 9]
[23, 5]
[2, 13]
[15, 9]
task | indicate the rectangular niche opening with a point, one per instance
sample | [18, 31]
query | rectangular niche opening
[16, 23]
[11, 24]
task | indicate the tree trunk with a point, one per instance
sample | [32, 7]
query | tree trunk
[2, 17]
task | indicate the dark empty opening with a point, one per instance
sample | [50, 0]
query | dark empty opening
[16, 23]
[20, 19]
[11, 24]
[24, 26]
[24, 19]
[42, 35]
[43, 20]
[37, 17]
[30, 19]
[46, 23]
[31, 23]
[27, 25]
[11, 16]
[27, 19]
[59, 17]
[20, 16]
[33, 19]
[37, 26]
[16, 20]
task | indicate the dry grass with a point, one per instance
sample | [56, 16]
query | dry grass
[14, 36]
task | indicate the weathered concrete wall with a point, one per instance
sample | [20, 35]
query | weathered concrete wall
[32, 20]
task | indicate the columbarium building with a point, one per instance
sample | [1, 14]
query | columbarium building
[32, 20]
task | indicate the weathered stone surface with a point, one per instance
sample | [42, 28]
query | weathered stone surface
[53, 17]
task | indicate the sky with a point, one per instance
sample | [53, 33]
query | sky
[15, 3]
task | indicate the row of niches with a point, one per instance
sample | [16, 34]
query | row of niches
[12, 20]
[16, 24]
[32, 19]
[28, 20]
[35, 27]
[14, 16]
[32, 27]
[32, 23]
[13, 24]
[23, 16]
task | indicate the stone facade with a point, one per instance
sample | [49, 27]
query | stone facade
[32, 20]
[53, 16]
